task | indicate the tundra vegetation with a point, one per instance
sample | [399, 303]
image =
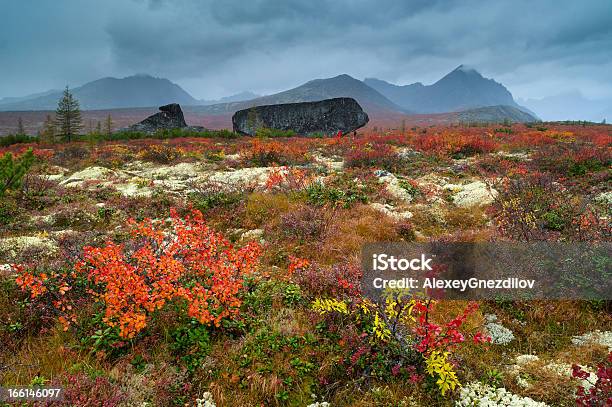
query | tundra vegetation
[216, 269]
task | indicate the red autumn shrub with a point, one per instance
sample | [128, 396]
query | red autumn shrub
[337, 281]
[366, 155]
[600, 393]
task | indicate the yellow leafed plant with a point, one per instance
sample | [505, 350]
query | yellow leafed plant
[438, 365]
[325, 305]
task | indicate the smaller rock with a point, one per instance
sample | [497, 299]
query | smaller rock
[244, 177]
[406, 153]
[133, 189]
[391, 211]
[393, 185]
[476, 193]
[169, 117]
[328, 163]
[253, 234]
[382, 173]
[89, 174]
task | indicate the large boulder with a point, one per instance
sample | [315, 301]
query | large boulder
[326, 116]
[169, 117]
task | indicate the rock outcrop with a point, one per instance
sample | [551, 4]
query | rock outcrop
[476, 193]
[169, 117]
[326, 116]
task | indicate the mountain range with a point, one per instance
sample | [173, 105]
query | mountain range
[318, 89]
[462, 89]
[109, 93]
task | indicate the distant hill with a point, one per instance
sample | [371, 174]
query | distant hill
[238, 97]
[463, 88]
[318, 89]
[571, 105]
[111, 93]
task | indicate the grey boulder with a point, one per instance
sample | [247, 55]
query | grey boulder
[326, 116]
[169, 117]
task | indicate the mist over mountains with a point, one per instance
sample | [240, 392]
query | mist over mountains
[571, 105]
[462, 89]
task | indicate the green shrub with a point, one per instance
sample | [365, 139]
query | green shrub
[12, 170]
[192, 344]
[273, 133]
[167, 134]
[584, 167]
[17, 139]
[320, 194]
[8, 211]
[205, 200]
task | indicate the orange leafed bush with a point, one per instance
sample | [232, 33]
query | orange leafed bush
[451, 144]
[188, 262]
[290, 178]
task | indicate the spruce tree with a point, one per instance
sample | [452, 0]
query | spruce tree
[68, 115]
[108, 125]
[20, 129]
[47, 135]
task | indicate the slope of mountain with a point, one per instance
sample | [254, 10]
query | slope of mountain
[112, 93]
[463, 88]
[571, 105]
[496, 114]
[318, 89]
[13, 99]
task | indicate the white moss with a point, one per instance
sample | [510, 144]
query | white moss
[595, 338]
[523, 360]
[482, 395]
[206, 400]
[15, 245]
[500, 335]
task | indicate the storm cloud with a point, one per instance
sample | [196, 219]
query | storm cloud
[217, 48]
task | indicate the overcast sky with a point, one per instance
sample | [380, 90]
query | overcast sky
[217, 48]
